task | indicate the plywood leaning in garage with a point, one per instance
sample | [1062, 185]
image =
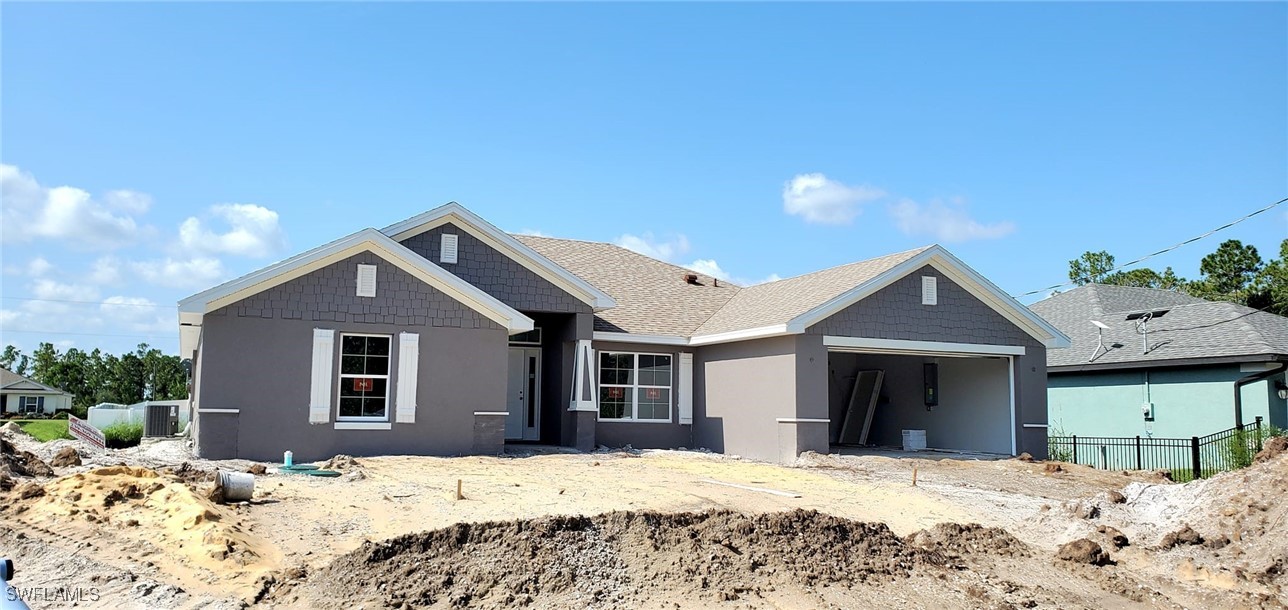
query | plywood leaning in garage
[857, 419]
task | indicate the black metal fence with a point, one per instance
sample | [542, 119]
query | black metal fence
[1187, 458]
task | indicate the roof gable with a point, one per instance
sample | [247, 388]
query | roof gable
[194, 307]
[11, 382]
[456, 214]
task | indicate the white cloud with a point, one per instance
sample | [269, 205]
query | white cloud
[945, 221]
[647, 245]
[137, 314]
[817, 198]
[707, 266]
[532, 232]
[38, 266]
[48, 289]
[105, 271]
[32, 211]
[200, 272]
[252, 230]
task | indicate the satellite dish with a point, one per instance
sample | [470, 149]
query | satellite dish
[1100, 325]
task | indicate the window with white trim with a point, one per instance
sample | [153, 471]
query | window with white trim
[634, 387]
[32, 404]
[364, 377]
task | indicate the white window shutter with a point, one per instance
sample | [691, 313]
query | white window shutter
[320, 390]
[686, 388]
[366, 280]
[447, 249]
[929, 290]
[408, 370]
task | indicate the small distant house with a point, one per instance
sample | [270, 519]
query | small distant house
[22, 395]
[443, 335]
[1156, 362]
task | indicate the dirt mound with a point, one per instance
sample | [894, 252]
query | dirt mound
[627, 558]
[341, 463]
[1083, 551]
[67, 456]
[1272, 448]
[15, 462]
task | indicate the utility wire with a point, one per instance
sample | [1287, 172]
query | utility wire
[57, 332]
[1163, 251]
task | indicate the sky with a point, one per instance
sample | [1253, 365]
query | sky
[149, 151]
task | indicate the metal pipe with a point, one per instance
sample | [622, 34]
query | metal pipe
[1242, 381]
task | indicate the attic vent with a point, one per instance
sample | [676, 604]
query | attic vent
[366, 280]
[929, 290]
[691, 278]
[447, 249]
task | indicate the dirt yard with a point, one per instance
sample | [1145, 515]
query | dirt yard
[639, 529]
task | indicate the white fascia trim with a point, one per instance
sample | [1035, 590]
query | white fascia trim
[365, 240]
[776, 330]
[1037, 426]
[801, 420]
[896, 345]
[645, 339]
[506, 243]
[974, 283]
[229, 411]
[363, 426]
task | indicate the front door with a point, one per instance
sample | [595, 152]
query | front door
[523, 403]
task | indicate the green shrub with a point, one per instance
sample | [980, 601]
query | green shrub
[60, 415]
[123, 434]
[1058, 453]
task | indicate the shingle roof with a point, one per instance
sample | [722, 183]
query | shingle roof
[652, 296]
[1192, 328]
[10, 379]
[779, 302]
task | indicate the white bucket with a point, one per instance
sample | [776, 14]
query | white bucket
[238, 486]
[914, 440]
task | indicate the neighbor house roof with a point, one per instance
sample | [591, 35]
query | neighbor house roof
[653, 300]
[13, 382]
[652, 296]
[1191, 330]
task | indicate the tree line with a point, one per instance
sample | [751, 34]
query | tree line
[97, 377]
[1234, 272]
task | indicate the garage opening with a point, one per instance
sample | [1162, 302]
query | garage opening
[962, 402]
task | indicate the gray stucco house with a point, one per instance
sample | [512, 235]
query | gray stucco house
[443, 335]
[1165, 364]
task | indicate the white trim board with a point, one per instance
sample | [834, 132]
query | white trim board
[503, 242]
[920, 347]
[643, 339]
[366, 240]
[363, 426]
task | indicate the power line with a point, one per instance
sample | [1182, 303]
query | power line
[1163, 251]
[91, 302]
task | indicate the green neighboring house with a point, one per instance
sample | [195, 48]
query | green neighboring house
[1155, 362]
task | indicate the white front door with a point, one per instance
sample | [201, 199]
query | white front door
[523, 401]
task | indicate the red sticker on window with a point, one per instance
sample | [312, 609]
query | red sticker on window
[617, 393]
[363, 384]
[653, 393]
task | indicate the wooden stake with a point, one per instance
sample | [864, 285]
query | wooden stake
[914, 476]
[458, 490]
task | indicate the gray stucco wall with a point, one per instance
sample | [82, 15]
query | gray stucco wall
[896, 312]
[256, 356]
[1031, 401]
[740, 391]
[495, 273]
[647, 435]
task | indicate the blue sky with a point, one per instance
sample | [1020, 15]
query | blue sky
[201, 141]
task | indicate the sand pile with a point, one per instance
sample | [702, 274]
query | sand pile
[141, 504]
[1241, 517]
[17, 463]
[627, 559]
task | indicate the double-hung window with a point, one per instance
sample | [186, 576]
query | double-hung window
[634, 387]
[364, 377]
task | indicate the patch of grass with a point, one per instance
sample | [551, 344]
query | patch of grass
[44, 429]
[123, 434]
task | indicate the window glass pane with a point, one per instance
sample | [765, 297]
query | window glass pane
[350, 407]
[373, 407]
[377, 346]
[377, 365]
[350, 365]
[614, 403]
[655, 370]
[616, 368]
[353, 345]
[654, 403]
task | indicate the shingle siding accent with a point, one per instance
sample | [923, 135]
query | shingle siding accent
[896, 312]
[495, 273]
[329, 295]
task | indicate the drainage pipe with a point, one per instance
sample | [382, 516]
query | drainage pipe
[1242, 381]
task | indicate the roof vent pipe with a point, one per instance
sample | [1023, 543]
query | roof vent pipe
[715, 281]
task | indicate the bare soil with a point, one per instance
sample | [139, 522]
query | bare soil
[650, 529]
